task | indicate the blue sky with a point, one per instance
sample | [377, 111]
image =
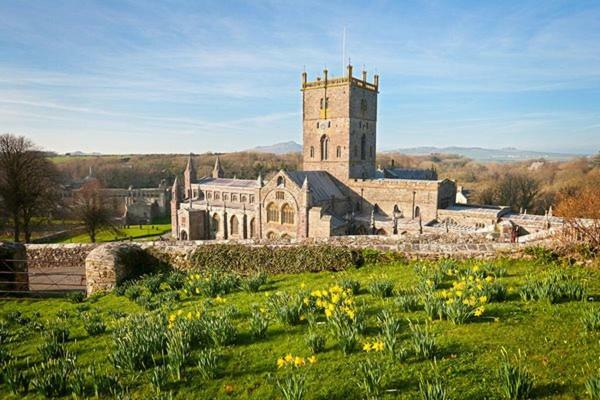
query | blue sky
[121, 76]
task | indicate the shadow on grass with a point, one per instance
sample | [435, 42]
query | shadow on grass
[550, 388]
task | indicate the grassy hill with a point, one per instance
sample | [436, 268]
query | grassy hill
[165, 332]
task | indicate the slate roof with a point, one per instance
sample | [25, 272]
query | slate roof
[405, 173]
[226, 182]
[322, 186]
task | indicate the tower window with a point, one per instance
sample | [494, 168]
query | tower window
[324, 147]
[363, 147]
[312, 152]
[329, 124]
[279, 195]
[338, 152]
[324, 102]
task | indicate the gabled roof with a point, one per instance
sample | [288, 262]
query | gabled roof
[406, 173]
[321, 184]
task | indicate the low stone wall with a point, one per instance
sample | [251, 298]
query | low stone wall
[48, 256]
[108, 265]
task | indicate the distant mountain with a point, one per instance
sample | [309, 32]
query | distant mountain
[486, 155]
[82, 154]
[279, 148]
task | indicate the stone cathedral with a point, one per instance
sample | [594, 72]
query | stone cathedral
[340, 191]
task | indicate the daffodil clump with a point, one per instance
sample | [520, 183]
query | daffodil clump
[293, 383]
[466, 299]
[343, 316]
[180, 315]
[193, 285]
[375, 345]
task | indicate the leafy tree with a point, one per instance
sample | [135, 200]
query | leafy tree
[29, 183]
[91, 209]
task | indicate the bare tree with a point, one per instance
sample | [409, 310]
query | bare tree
[29, 183]
[517, 191]
[581, 211]
[91, 209]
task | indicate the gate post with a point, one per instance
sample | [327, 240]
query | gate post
[13, 258]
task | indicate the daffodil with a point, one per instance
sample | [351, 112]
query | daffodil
[298, 361]
[367, 347]
[378, 346]
[289, 358]
[312, 359]
[280, 363]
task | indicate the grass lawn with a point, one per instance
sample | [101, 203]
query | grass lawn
[147, 232]
[558, 352]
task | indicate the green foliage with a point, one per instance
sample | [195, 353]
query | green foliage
[178, 350]
[159, 377]
[345, 330]
[370, 378]
[259, 322]
[254, 282]
[515, 380]
[352, 285]
[390, 330]
[208, 364]
[76, 297]
[432, 388]
[407, 301]
[556, 285]
[592, 386]
[51, 378]
[381, 288]
[93, 323]
[15, 377]
[541, 254]
[287, 308]
[590, 318]
[315, 342]
[221, 329]
[422, 339]
[136, 341]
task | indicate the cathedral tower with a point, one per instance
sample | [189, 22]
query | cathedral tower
[339, 118]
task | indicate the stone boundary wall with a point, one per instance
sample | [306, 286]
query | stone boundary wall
[11, 256]
[52, 256]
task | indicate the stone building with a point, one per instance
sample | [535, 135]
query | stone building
[340, 191]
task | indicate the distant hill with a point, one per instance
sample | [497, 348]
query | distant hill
[82, 154]
[279, 148]
[486, 155]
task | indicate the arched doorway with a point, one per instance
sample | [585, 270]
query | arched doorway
[183, 235]
[253, 228]
[214, 225]
[417, 212]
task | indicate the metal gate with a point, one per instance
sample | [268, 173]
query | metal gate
[52, 278]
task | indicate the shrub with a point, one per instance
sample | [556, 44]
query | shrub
[370, 378]
[381, 288]
[133, 291]
[423, 341]
[541, 254]
[253, 283]
[515, 380]
[208, 364]
[51, 378]
[175, 280]
[93, 324]
[590, 319]
[259, 322]
[315, 342]
[76, 297]
[287, 308]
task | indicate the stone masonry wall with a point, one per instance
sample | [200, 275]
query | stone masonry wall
[50, 256]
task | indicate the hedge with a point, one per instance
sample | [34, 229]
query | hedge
[285, 259]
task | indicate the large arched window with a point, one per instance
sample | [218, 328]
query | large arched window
[272, 213]
[324, 147]
[215, 223]
[234, 226]
[363, 147]
[287, 214]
